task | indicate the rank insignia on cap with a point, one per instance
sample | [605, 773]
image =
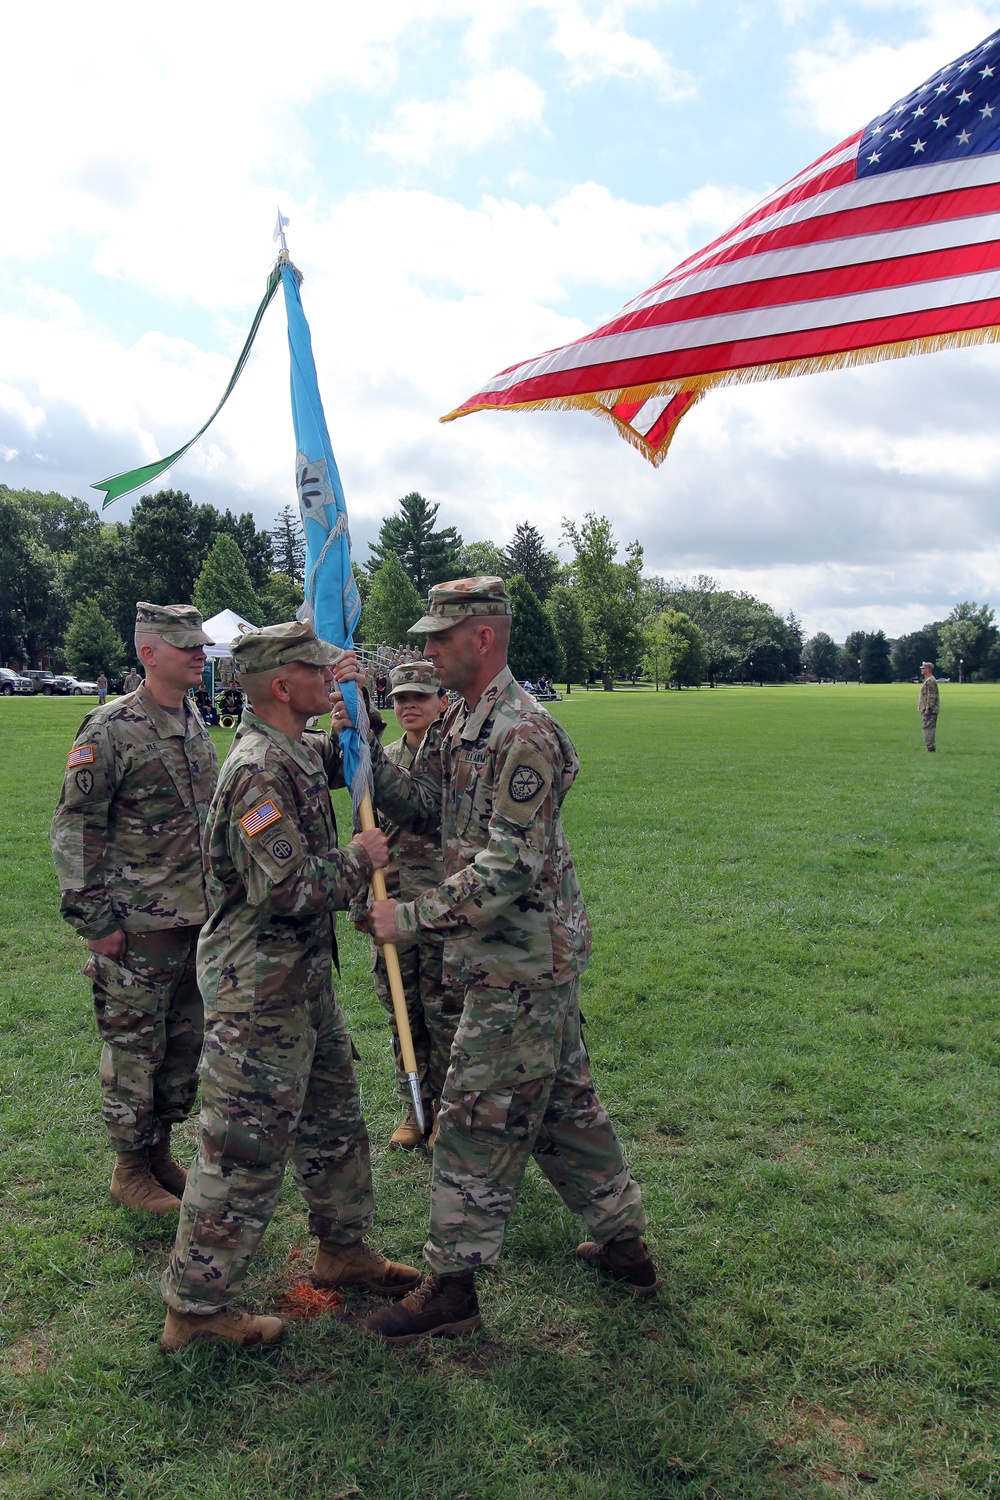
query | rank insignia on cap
[258, 818]
[82, 755]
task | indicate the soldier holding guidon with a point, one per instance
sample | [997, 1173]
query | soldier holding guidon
[277, 1076]
[493, 777]
[126, 840]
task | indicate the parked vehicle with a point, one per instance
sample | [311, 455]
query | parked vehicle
[84, 687]
[12, 682]
[41, 681]
[62, 683]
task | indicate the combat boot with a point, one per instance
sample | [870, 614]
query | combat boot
[628, 1261]
[440, 1305]
[361, 1266]
[434, 1128]
[134, 1186]
[408, 1135]
[230, 1324]
[168, 1172]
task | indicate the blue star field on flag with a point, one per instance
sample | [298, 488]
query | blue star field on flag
[954, 115]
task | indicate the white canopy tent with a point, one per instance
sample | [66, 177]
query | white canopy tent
[223, 628]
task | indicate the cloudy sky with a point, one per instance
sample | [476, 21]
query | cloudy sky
[467, 186]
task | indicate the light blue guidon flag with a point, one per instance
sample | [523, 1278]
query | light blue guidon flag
[332, 603]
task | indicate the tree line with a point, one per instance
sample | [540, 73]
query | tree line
[69, 582]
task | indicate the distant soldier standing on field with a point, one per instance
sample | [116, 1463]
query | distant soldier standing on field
[415, 865]
[929, 705]
[126, 840]
[278, 1085]
[517, 939]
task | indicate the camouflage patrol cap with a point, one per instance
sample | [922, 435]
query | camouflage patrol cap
[447, 603]
[178, 624]
[277, 645]
[924, 664]
[413, 677]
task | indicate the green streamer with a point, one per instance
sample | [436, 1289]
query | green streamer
[133, 479]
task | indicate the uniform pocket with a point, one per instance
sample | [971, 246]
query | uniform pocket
[122, 986]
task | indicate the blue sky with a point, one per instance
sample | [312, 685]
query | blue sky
[465, 189]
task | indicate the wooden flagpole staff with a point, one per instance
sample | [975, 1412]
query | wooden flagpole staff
[366, 813]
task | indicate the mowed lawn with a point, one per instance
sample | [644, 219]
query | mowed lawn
[793, 1017]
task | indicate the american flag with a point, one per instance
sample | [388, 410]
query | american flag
[259, 817]
[888, 245]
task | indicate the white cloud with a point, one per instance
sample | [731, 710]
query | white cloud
[485, 108]
[602, 48]
[842, 84]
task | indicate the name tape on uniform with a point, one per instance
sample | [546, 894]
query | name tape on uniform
[81, 755]
[258, 818]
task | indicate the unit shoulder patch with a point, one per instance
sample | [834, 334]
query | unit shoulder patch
[526, 779]
[259, 818]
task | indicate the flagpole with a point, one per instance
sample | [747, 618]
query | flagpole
[366, 814]
[316, 468]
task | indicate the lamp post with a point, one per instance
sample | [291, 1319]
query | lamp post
[859, 671]
[961, 668]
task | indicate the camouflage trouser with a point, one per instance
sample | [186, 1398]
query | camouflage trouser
[277, 1087]
[519, 1085]
[929, 726]
[149, 1015]
[432, 1009]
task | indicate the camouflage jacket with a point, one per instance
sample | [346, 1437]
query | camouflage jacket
[930, 696]
[127, 830]
[415, 862]
[275, 875]
[493, 779]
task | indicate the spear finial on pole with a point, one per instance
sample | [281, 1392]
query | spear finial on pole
[279, 232]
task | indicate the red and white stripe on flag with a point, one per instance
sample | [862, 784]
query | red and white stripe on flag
[888, 245]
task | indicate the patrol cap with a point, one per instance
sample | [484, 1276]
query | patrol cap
[277, 645]
[924, 664]
[413, 677]
[178, 624]
[447, 603]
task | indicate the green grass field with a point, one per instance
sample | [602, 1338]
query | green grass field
[792, 1012]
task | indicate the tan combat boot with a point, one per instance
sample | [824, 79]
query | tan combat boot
[407, 1135]
[168, 1172]
[628, 1261]
[360, 1266]
[434, 1128]
[230, 1324]
[134, 1186]
[439, 1305]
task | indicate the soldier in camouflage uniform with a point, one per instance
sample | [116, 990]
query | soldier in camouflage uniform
[929, 705]
[415, 864]
[517, 939]
[277, 1078]
[126, 840]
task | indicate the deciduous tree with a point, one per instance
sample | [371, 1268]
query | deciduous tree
[610, 594]
[224, 583]
[967, 637]
[93, 645]
[571, 631]
[392, 606]
[819, 655]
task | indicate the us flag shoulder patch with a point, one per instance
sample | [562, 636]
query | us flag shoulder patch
[258, 818]
[82, 755]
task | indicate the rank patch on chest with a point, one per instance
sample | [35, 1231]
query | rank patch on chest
[525, 783]
[80, 755]
[258, 818]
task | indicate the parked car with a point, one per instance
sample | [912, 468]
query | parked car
[12, 682]
[62, 683]
[84, 687]
[41, 681]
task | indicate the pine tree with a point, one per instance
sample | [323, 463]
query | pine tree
[289, 545]
[392, 605]
[527, 555]
[534, 649]
[92, 644]
[564, 610]
[428, 556]
[224, 583]
[279, 599]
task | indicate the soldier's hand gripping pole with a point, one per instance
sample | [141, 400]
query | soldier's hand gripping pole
[367, 816]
